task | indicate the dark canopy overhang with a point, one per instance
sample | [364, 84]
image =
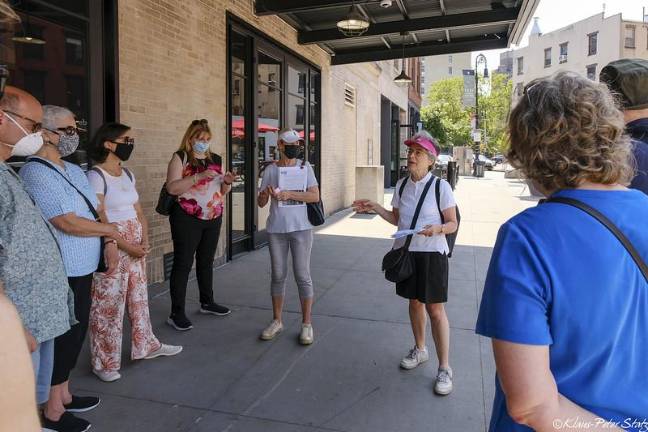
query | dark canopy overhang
[432, 26]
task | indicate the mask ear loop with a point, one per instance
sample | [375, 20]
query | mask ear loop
[16, 123]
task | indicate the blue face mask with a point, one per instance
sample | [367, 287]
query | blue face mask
[201, 146]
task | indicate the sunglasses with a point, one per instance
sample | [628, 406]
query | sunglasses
[127, 141]
[36, 126]
[201, 122]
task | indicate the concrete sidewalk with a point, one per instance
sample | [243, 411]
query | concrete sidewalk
[226, 379]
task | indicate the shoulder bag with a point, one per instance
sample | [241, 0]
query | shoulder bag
[450, 238]
[398, 264]
[165, 199]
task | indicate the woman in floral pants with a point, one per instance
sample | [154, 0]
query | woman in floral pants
[126, 288]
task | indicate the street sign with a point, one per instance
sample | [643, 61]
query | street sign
[469, 97]
[476, 136]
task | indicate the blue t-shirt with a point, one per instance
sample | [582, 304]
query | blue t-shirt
[55, 197]
[558, 277]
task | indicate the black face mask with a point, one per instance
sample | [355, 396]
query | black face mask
[123, 151]
[291, 151]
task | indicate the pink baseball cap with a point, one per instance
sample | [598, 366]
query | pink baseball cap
[427, 143]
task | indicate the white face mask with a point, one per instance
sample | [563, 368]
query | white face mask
[27, 145]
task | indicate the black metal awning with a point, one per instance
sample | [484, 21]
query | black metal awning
[431, 27]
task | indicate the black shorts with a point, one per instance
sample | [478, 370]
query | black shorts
[429, 283]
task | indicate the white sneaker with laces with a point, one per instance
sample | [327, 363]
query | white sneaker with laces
[306, 335]
[106, 376]
[415, 357]
[272, 330]
[164, 350]
[443, 383]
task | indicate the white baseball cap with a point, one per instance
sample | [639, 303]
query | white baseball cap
[290, 136]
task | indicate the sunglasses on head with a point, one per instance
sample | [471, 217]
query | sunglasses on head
[127, 140]
[36, 126]
[201, 122]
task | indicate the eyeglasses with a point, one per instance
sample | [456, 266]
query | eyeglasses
[68, 130]
[127, 140]
[416, 152]
[201, 122]
[36, 126]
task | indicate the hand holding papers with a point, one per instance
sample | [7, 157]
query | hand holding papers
[405, 233]
[292, 179]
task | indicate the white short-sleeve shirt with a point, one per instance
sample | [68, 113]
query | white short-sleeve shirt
[286, 219]
[429, 215]
[121, 195]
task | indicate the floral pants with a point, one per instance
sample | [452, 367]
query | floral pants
[111, 295]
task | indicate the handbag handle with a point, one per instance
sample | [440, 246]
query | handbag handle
[87, 201]
[609, 225]
[418, 207]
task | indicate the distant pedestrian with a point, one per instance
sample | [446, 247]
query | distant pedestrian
[564, 302]
[427, 288]
[628, 80]
[127, 287]
[196, 176]
[289, 230]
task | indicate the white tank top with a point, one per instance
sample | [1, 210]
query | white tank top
[120, 194]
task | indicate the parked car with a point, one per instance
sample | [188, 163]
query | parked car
[488, 163]
[498, 159]
[442, 161]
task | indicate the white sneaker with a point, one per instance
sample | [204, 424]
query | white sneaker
[443, 384]
[306, 335]
[414, 358]
[164, 350]
[107, 376]
[272, 330]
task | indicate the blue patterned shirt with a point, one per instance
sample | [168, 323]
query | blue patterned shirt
[31, 268]
[56, 197]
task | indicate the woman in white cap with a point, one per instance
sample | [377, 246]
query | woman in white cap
[289, 229]
[427, 288]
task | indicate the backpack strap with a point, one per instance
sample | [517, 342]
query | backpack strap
[103, 177]
[418, 210]
[128, 173]
[437, 195]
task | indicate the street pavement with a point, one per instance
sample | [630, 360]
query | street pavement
[349, 380]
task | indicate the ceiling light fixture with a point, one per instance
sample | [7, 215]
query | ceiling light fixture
[354, 24]
[27, 36]
[403, 78]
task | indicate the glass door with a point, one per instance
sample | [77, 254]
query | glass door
[268, 121]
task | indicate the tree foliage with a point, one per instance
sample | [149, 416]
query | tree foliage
[448, 120]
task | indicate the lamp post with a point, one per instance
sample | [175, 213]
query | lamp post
[481, 58]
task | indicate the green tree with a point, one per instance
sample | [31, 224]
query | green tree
[444, 116]
[493, 113]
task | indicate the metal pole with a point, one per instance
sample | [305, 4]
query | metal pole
[476, 117]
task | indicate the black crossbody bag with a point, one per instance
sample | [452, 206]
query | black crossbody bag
[398, 264]
[101, 267]
[609, 225]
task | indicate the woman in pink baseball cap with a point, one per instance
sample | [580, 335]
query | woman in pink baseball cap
[427, 288]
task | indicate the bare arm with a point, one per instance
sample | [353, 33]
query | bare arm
[176, 185]
[532, 397]
[264, 197]
[450, 225]
[142, 220]
[310, 196]
[77, 226]
[364, 205]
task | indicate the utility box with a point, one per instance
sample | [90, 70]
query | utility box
[370, 183]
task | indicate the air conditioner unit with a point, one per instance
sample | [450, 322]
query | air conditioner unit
[562, 58]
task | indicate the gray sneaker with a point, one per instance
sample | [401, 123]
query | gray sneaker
[414, 358]
[443, 383]
[272, 330]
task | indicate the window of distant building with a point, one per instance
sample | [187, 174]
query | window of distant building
[547, 57]
[629, 36]
[450, 59]
[449, 70]
[519, 89]
[592, 43]
[591, 72]
[563, 52]
[520, 65]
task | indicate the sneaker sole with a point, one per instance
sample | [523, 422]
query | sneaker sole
[206, 312]
[172, 324]
[266, 338]
[100, 379]
[305, 342]
[163, 355]
[82, 410]
[441, 393]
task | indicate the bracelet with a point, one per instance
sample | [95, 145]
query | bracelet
[110, 241]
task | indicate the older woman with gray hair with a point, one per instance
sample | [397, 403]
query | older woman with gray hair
[566, 297]
[64, 196]
[427, 288]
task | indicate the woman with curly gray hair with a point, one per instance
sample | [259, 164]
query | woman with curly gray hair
[565, 302]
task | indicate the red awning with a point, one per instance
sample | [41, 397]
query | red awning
[239, 125]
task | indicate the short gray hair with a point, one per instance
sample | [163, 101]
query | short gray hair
[52, 115]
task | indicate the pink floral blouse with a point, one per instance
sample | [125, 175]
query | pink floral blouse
[204, 200]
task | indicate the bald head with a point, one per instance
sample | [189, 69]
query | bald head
[26, 111]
